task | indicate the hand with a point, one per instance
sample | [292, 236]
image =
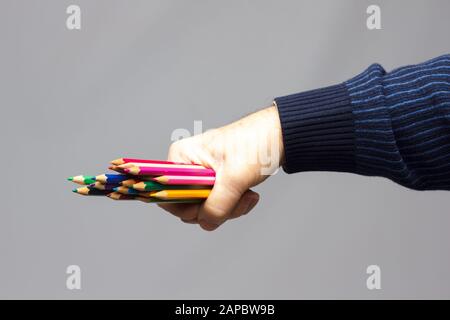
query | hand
[243, 154]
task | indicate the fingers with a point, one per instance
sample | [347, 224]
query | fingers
[247, 202]
[188, 212]
[220, 203]
[229, 198]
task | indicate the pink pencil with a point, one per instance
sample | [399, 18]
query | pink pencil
[155, 171]
[186, 180]
[120, 161]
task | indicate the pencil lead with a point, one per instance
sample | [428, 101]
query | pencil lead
[70, 178]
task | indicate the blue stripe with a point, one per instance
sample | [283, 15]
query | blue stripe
[373, 120]
[366, 90]
[416, 145]
[397, 71]
[378, 150]
[382, 131]
[432, 107]
[388, 79]
[389, 142]
[428, 161]
[403, 103]
[382, 159]
[401, 128]
[418, 134]
[429, 151]
[401, 92]
[417, 79]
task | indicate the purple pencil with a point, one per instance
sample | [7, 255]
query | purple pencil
[160, 171]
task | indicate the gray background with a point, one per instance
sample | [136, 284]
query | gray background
[73, 100]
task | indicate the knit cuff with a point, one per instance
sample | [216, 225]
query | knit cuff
[318, 130]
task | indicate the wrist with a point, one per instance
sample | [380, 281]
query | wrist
[276, 131]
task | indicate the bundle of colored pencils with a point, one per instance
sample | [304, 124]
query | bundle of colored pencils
[149, 181]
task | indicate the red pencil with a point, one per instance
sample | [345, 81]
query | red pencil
[120, 161]
[116, 168]
[185, 180]
[159, 165]
[155, 171]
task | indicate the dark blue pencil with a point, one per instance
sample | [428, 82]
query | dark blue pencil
[101, 186]
[112, 178]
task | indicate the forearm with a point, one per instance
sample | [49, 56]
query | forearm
[393, 125]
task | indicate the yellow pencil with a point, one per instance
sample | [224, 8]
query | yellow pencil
[157, 200]
[180, 194]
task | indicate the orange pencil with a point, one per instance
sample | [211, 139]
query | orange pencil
[179, 194]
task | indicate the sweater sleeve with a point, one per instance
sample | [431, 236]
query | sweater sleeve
[395, 125]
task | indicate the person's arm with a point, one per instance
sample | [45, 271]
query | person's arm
[395, 125]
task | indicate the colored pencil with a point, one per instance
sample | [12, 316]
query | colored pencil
[87, 191]
[153, 185]
[101, 186]
[158, 171]
[120, 196]
[126, 190]
[116, 168]
[156, 200]
[178, 194]
[82, 179]
[185, 180]
[112, 178]
[129, 182]
[160, 165]
[120, 161]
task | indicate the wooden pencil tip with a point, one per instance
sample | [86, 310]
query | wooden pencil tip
[132, 170]
[70, 178]
[117, 161]
[158, 193]
[75, 190]
[161, 179]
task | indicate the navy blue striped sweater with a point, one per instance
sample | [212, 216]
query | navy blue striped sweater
[395, 125]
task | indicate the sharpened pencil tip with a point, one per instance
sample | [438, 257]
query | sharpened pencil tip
[70, 178]
[117, 161]
[75, 190]
[116, 189]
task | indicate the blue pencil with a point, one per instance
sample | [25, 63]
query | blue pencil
[112, 178]
[100, 186]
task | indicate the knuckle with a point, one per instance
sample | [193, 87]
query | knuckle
[214, 213]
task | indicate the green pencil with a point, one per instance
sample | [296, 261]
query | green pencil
[82, 179]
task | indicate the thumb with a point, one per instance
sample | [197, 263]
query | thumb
[220, 203]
